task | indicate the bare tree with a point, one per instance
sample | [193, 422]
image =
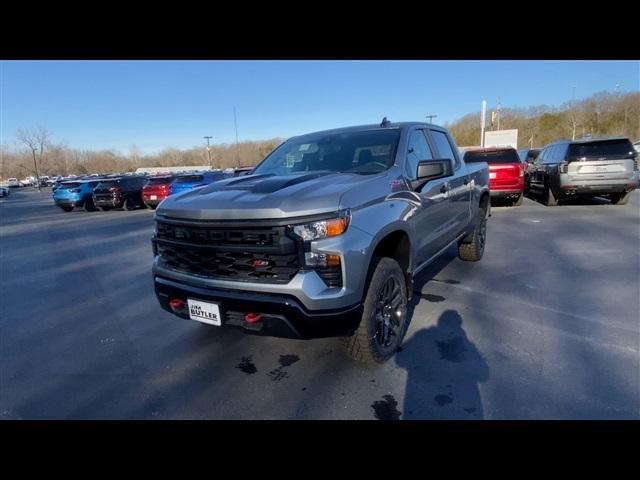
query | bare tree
[36, 140]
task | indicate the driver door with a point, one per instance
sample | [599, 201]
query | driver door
[431, 217]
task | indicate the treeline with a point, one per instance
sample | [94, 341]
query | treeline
[60, 159]
[603, 114]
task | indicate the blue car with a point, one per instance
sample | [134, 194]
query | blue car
[193, 180]
[75, 194]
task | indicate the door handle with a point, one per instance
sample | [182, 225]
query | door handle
[444, 188]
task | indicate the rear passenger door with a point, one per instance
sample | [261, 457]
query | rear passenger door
[458, 187]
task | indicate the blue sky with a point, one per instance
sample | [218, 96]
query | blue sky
[158, 104]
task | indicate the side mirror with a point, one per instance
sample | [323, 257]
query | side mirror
[432, 169]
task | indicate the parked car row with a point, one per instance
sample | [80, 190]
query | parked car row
[568, 168]
[129, 192]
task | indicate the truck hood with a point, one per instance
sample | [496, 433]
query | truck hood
[267, 196]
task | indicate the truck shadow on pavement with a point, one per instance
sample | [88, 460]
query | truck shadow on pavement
[443, 366]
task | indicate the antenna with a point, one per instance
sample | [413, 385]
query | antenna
[235, 123]
[385, 122]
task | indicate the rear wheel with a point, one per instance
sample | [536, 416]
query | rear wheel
[384, 319]
[129, 204]
[518, 201]
[550, 199]
[473, 251]
[620, 198]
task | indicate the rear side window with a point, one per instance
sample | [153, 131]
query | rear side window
[71, 185]
[493, 156]
[418, 150]
[443, 146]
[602, 148]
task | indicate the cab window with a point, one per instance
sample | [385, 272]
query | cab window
[417, 151]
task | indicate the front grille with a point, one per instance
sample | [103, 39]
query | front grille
[265, 254]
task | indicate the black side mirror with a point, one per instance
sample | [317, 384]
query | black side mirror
[432, 169]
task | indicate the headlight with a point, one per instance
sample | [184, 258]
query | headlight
[323, 228]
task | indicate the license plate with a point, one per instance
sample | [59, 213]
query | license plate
[153, 197]
[492, 174]
[204, 312]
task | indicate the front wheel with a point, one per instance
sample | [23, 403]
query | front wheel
[89, 206]
[620, 198]
[384, 318]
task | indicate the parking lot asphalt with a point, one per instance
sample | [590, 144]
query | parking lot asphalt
[545, 326]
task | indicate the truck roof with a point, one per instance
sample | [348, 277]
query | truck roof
[373, 126]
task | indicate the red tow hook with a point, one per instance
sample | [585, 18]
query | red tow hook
[252, 317]
[176, 304]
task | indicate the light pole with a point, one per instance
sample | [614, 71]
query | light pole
[209, 151]
[430, 117]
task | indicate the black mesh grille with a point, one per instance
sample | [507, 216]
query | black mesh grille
[263, 254]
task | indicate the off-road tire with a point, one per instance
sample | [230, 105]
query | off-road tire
[363, 345]
[620, 198]
[472, 252]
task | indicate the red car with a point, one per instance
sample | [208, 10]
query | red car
[506, 171]
[157, 189]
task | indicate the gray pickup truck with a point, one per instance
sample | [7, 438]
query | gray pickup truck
[324, 237]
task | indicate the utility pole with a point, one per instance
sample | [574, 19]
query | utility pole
[499, 115]
[573, 110]
[209, 151]
[482, 122]
[431, 117]
[235, 123]
[35, 166]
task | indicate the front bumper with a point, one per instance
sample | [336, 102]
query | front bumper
[282, 315]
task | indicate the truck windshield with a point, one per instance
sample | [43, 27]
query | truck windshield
[493, 156]
[362, 152]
